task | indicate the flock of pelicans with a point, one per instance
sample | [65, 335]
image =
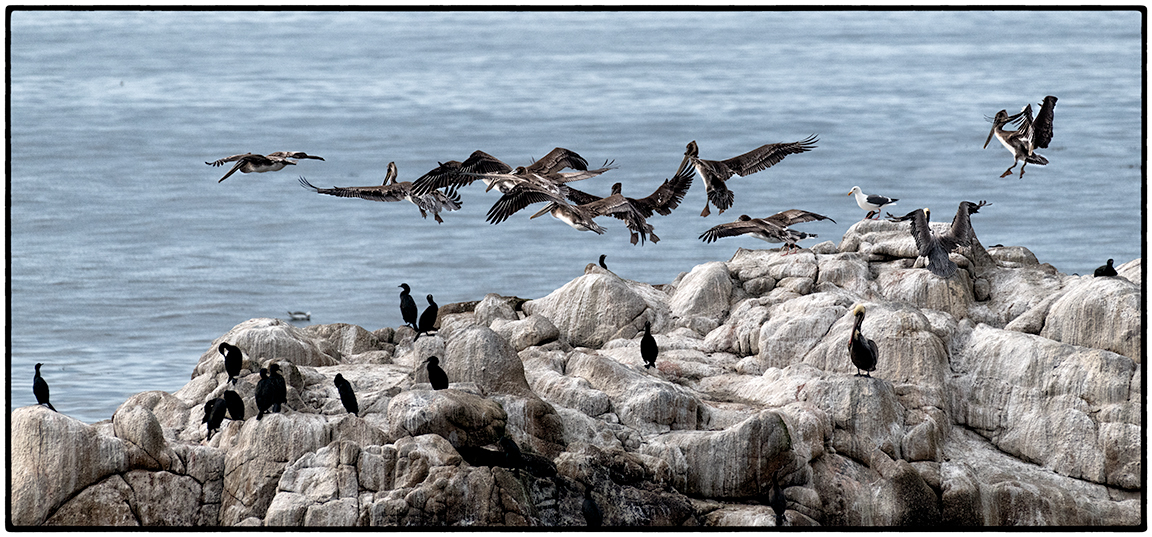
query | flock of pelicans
[543, 181]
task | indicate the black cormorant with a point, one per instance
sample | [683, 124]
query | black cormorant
[428, 318]
[648, 347]
[602, 265]
[592, 516]
[265, 393]
[279, 387]
[40, 389]
[214, 411]
[436, 376]
[235, 405]
[408, 306]
[233, 360]
[347, 396]
[777, 500]
[1105, 270]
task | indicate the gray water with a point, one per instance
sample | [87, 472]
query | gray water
[128, 258]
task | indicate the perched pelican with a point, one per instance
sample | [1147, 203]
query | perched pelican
[432, 202]
[253, 163]
[861, 349]
[634, 212]
[771, 229]
[871, 202]
[40, 389]
[715, 172]
[1104, 270]
[936, 247]
[1031, 134]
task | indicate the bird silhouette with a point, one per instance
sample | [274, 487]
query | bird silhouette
[436, 376]
[40, 389]
[233, 360]
[648, 347]
[408, 306]
[347, 396]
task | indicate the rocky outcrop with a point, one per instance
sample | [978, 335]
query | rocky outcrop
[1009, 394]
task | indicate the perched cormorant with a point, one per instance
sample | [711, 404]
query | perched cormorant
[592, 516]
[233, 360]
[253, 163]
[936, 247]
[1031, 134]
[436, 376]
[279, 387]
[214, 411]
[40, 389]
[265, 395]
[871, 202]
[513, 458]
[771, 229]
[777, 500]
[715, 172]
[428, 318]
[602, 265]
[408, 306]
[1105, 270]
[861, 349]
[648, 347]
[347, 396]
[235, 405]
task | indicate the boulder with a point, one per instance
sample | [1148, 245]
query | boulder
[1103, 313]
[462, 418]
[589, 310]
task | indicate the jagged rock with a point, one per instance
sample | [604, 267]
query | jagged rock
[343, 340]
[106, 503]
[140, 428]
[1103, 313]
[640, 400]
[165, 499]
[703, 293]
[462, 418]
[494, 307]
[589, 310]
[263, 340]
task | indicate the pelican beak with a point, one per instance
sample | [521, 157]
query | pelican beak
[547, 208]
[683, 165]
[990, 133]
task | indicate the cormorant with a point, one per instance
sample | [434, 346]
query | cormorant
[40, 389]
[861, 349]
[214, 411]
[602, 265]
[279, 387]
[1105, 270]
[648, 347]
[715, 172]
[513, 458]
[408, 306]
[428, 318]
[592, 516]
[436, 376]
[233, 360]
[235, 405]
[265, 395]
[871, 202]
[347, 396]
[777, 500]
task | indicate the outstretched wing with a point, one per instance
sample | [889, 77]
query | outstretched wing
[452, 174]
[961, 232]
[517, 198]
[1042, 127]
[668, 196]
[293, 154]
[766, 155]
[373, 193]
[556, 160]
[920, 230]
[232, 158]
[795, 216]
[731, 229]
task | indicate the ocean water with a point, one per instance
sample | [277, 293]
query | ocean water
[128, 257]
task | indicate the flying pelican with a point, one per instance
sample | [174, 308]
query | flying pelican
[871, 202]
[771, 229]
[432, 202]
[715, 172]
[634, 212]
[253, 163]
[495, 173]
[936, 247]
[1031, 134]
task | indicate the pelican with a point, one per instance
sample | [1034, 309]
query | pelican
[523, 187]
[936, 247]
[715, 172]
[1031, 134]
[861, 350]
[871, 202]
[634, 212]
[432, 202]
[771, 229]
[253, 163]
[451, 175]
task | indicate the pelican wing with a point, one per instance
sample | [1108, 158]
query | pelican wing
[920, 230]
[732, 229]
[519, 197]
[396, 192]
[961, 232]
[568, 177]
[668, 196]
[453, 174]
[580, 197]
[765, 156]
[795, 216]
[293, 154]
[558, 159]
[232, 158]
[1042, 127]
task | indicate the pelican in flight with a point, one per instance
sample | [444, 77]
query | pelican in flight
[771, 229]
[495, 173]
[871, 202]
[634, 212]
[715, 172]
[253, 163]
[454, 174]
[432, 202]
[936, 247]
[1031, 134]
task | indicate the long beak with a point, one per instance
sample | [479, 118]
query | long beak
[547, 208]
[990, 133]
[683, 166]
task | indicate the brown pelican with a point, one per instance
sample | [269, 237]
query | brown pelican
[634, 212]
[715, 172]
[253, 163]
[871, 202]
[434, 201]
[936, 247]
[451, 175]
[523, 187]
[861, 350]
[1031, 134]
[771, 229]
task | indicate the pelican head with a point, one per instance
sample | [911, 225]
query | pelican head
[689, 153]
[858, 310]
[927, 213]
[744, 218]
[997, 122]
[617, 188]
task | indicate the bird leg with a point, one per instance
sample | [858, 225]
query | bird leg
[1009, 170]
[706, 210]
[437, 217]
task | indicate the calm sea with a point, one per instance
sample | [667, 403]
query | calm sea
[128, 258]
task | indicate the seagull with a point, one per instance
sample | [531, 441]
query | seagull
[861, 350]
[432, 202]
[715, 172]
[771, 229]
[253, 163]
[936, 247]
[1031, 134]
[871, 202]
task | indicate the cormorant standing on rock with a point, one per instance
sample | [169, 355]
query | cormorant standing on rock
[408, 306]
[861, 349]
[235, 405]
[777, 500]
[602, 265]
[592, 516]
[40, 389]
[428, 318]
[436, 376]
[233, 360]
[279, 387]
[214, 415]
[264, 393]
[648, 347]
[1105, 270]
[513, 458]
[347, 396]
